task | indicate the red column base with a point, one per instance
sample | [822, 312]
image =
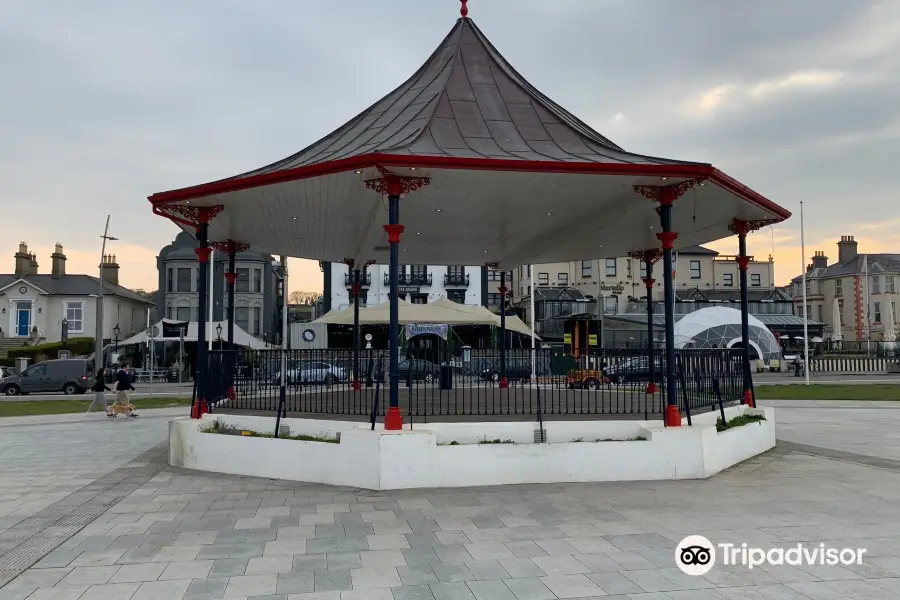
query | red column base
[504, 383]
[231, 392]
[393, 420]
[199, 409]
[673, 417]
[651, 388]
[748, 399]
[356, 385]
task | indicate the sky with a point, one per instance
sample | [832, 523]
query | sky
[104, 103]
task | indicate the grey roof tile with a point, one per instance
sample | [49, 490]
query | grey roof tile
[74, 285]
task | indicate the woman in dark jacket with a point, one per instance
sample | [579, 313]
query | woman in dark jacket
[99, 388]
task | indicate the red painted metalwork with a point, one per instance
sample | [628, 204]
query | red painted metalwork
[858, 296]
[649, 281]
[464, 9]
[667, 238]
[349, 262]
[231, 278]
[191, 216]
[492, 265]
[390, 184]
[748, 399]
[368, 264]
[503, 289]
[667, 194]
[740, 227]
[393, 420]
[742, 261]
[394, 232]
[203, 254]
[651, 387]
[355, 288]
[672, 417]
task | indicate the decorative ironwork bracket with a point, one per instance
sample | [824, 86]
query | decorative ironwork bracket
[740, 227]
[391, 184]
[667, 194]
[190, 216]
[230, 246]
[652, 256]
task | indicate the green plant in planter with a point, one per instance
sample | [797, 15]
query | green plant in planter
[496, 441]
[224, 429]
[738, 421]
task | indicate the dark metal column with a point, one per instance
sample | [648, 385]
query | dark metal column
[203, 251]
[504, 383]
[667, 237]
[743, 261]
[356, 287]
[648, 281]
[393, 419]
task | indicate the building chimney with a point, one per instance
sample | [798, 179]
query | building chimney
[33, 265]
[58, 260]
[846, 249]
[23, 260]
[110, 269]
[819, 261]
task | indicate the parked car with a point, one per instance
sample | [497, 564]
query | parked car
[516, 370]
[311, 373]
[634, 370]
[414, 369]
[70, 376]
[7, 372]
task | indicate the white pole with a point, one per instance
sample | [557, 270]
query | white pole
[209, 318]
[805, 311]
[98, 342]
[531, 313]
[868, 302]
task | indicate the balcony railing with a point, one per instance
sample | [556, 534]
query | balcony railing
[410, 279]
[365, 279]
[456, 280]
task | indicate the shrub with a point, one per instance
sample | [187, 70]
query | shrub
[738, 421]
[75, 345]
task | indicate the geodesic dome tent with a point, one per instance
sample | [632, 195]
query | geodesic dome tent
[720, 327]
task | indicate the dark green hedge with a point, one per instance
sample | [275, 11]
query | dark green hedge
[75, 345]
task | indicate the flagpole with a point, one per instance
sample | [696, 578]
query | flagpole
[805, 311]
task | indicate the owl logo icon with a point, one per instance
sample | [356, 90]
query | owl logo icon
[695, 555]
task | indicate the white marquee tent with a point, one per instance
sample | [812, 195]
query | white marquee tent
[169, 329]
[443, 311]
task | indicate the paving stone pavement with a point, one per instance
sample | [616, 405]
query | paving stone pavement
[190, 536]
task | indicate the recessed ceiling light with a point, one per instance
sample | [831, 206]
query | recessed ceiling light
[412, 168]
[549, 214]
[663, 178]
[187, 201]
[358, 172]
[418, 233]
[295, 218]
[437, 210]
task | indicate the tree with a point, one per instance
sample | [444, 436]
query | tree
[299, 297]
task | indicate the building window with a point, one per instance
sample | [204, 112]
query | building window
[628, 268]
[243, 280]
[529, 271]
[877, 312]
[695, 269]
[493, 299]
[543, 279]
[821, 308]
[643, 270]
[876, 284]
[755, 280]
[458, 296]
[419, 298]
[889, 284]
[242, 317]
[838, 287]
[728, 279]
[587, 269]
[509, 276]
[183, 313]
[75, 316]
[562, 278]
[493, 275]
[170, 280]
[610, 305]
[257, 313]
[610, 267]
[184, 280]
[257, 281]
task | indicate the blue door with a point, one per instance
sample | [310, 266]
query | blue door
[23, 320]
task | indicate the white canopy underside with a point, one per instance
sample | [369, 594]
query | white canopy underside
[241, 337]
[442, 311]
[472, 217]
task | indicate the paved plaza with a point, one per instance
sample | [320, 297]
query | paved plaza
[111, 521]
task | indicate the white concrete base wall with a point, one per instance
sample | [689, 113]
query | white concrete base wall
[422, 458]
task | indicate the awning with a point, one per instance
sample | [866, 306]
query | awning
[169, 331]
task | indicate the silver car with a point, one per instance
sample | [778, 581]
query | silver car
[312, 373]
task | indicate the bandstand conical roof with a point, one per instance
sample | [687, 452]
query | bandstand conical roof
[516, 179]
[466, 101]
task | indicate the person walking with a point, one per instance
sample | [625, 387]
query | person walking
[123, 386]
[99, 388]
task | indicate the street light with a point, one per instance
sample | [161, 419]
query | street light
[98, 341]
[116, 332]
[219, 334]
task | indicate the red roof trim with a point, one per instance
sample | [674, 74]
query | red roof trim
[475, 164]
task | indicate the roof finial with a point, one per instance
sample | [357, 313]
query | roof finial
[464, 10]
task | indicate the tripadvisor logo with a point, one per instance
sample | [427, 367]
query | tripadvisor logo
[696, 555]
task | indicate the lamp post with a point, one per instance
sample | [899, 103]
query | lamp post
[180, 353]
[64, 333]
[98, 341]
[219, 335]
[116, 332]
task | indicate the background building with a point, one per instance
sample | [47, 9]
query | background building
[255, 298]
[857, 282]
[33, 304]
